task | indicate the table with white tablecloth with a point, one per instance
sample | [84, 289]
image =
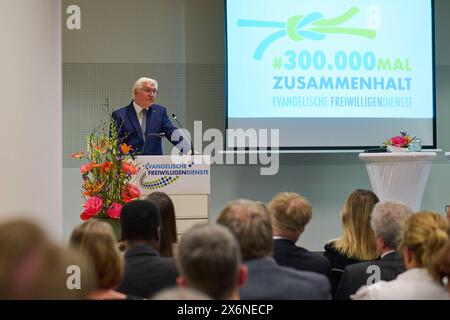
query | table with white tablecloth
[399, 176]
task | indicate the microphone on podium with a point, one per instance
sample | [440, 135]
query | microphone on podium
[159, 135]
[179, 124]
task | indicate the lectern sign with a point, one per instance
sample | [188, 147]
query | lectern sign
[172, 174]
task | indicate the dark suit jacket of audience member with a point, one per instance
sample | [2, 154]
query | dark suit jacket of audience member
[355, 275]
[338, 263]
[269, 281]
[287, 254]
[146, 272]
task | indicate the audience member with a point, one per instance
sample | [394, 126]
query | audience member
[440, 266]
[290, 213]
[250, 223]
[168, 222]
[146, 272]
[179, 293]
[357, 242]
[33, 267]
[422, 236]
[210, 261]
[96, 241]
[386, 221]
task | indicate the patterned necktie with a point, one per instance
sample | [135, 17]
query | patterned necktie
[144, 122]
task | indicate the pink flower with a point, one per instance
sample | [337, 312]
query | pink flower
[130, 192]
[85, 168]
[114, 210]
[92, 206]
[399, 141]
[133, 191]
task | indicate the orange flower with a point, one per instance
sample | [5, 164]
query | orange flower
[106, 177]
[102, 146]
[106, 166]
[125, 149]
[93, 189]
[78, 155]
[129, 168]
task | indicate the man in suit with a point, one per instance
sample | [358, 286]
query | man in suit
[267, 280]
[146, 272]
[209, 260]
[290, 213]
[142, 123]
[386, 221]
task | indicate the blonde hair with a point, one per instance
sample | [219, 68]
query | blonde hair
[96, 240]
[440, 264]
[358, 239]
[290, 211]
[424, 233]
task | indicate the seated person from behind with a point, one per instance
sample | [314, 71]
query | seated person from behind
[357, 242]
[146, 272]
[168, 222]
[210, 261]
[422, 236]
[387, 220]
[290, 213]
[96, 241]
[250, 224]
[440, 266]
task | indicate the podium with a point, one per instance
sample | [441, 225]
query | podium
[186, 179]
[399, 176]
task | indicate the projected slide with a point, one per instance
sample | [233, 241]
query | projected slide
[321, 70]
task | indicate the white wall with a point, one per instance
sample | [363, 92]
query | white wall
[128, 31]
[30, 112]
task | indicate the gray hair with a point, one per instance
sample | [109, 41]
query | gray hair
[209, 259]
[387, 220]
[140, 83]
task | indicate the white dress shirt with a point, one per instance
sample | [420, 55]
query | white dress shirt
[139, 112]
[413, 284]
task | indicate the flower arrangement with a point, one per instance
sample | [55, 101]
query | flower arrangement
[106, 176]
[402, 141]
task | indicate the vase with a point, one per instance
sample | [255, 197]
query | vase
[115, 224]
[397, 149]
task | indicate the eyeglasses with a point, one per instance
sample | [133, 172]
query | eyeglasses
[447, 208]
[150, 91]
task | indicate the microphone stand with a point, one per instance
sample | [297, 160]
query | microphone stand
[179, 124]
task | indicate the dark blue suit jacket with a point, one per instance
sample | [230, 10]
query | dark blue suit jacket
[355, 275]
[287, 254]
[146, 272]
[130, 131]
[269, 281]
